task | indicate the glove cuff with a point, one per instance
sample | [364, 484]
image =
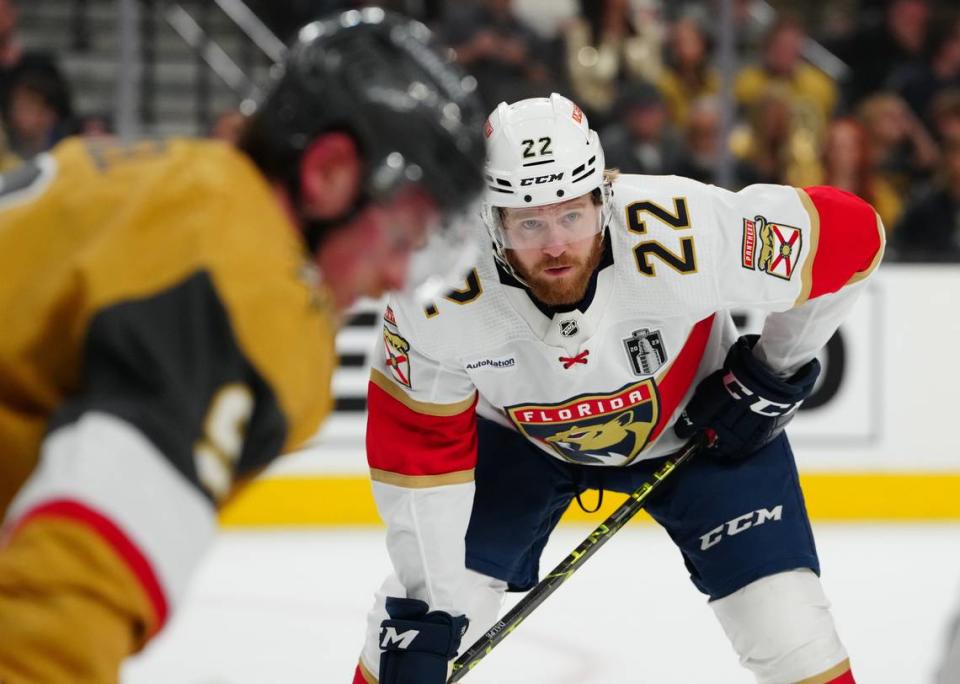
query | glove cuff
[761, 379]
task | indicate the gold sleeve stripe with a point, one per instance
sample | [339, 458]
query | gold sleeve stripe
[421, 481]
[390, 387]
[829, 675]
[860, 275]
[806, 276]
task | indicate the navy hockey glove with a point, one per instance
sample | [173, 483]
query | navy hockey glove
[745, 403]
[416, 644]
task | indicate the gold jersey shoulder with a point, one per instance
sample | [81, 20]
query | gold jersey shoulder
[94, 225]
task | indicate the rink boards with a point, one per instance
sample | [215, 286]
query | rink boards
[876, 441]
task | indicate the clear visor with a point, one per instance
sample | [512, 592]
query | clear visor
[449, 251]
[535, 228]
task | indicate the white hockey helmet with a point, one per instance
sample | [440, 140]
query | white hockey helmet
[540, 151]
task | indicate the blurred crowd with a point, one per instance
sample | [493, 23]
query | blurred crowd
[879, 116]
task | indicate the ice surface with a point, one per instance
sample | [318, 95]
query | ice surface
[289, 607]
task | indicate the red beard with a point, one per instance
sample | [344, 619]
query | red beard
[564, 291]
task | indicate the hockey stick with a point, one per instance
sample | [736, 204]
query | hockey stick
[629, 508]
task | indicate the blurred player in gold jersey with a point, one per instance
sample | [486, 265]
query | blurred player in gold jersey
[169, 311]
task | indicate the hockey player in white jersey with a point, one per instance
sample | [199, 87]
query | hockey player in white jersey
[590, 342]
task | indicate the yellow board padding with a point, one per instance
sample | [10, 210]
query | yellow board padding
[348, 500]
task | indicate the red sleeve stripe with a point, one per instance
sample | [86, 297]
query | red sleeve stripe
[390, 387]
[673, 384]
[846, 241]
[860, 275]
[408, 442]
[127, 551]
[363, 676]
[813, 243]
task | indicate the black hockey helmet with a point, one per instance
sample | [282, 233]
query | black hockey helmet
[381, 78]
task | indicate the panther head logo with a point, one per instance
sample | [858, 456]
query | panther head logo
[594, 442]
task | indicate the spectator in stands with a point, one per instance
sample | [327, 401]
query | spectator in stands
[930, 227]
[846, 165]
[813, 94]
[877, 49]
[919, 83]
[7, 158]
[641, 140]
[945, 114]
[11, 50]
[702, 137]
[508, 60]
[688, 74]
[228, 126]
[95, 126]
[17, 63]
[772, 147]
[38, 111]
[609, 43]
[901, 150]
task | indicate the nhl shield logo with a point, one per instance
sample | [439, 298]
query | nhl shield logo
[569, 327]
[608, 429]
[646, 351]
[397, 352]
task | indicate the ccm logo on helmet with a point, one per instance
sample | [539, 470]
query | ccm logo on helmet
[537, 180]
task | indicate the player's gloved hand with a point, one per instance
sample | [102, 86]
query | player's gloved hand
[417, 644]
[745, 403]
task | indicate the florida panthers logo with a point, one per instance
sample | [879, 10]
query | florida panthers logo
[608, 429]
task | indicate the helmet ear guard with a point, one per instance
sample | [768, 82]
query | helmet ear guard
[540, 151]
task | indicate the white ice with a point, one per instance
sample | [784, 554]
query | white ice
[288, 607]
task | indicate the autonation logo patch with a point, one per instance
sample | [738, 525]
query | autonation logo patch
[503, 363]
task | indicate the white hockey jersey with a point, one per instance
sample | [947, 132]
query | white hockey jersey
[605, 385]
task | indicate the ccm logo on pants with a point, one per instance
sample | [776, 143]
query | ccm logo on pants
[739, 524]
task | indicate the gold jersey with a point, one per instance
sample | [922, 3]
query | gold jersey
[146, 282]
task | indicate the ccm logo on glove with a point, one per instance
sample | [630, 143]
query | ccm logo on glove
[764, 407]
[390, 638]
[745, 403]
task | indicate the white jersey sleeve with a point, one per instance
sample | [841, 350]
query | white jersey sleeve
[421, 448]
[801, 254]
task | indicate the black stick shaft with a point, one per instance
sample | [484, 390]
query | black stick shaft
[629, 508]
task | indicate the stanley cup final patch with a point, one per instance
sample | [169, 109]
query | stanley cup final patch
[397, 352]
[780, 247]
[646, 351]
[592, 429]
